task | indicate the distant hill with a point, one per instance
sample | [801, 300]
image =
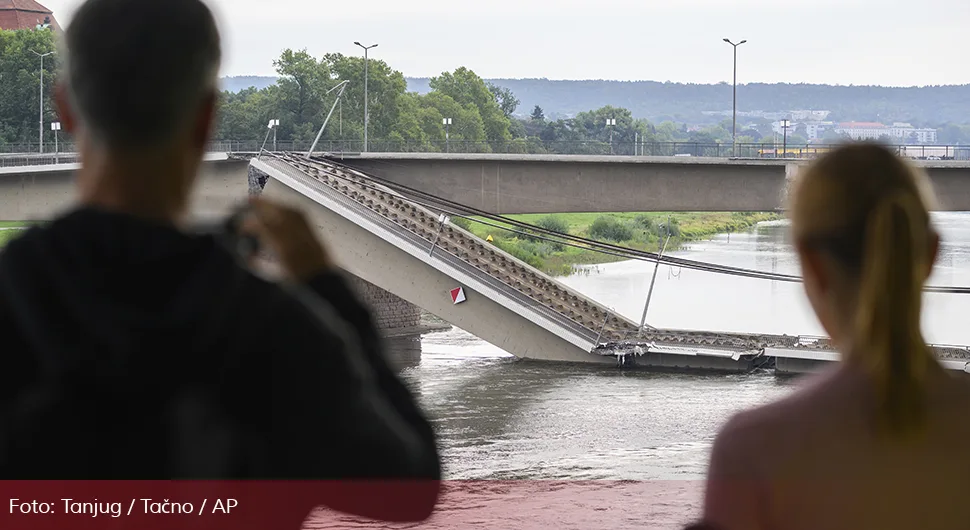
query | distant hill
[693, 103]
[687, 102]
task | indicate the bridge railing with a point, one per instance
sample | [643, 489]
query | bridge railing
[27, 152]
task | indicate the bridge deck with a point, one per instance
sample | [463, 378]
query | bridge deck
[599, 330]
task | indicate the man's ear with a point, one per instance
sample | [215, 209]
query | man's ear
[64, 109]
[205, 120]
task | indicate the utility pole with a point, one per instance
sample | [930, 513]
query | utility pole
[366, 115]
[734, 131]
[784, 126]
[56, 126]
[447, 123]
[653, 282]
[611, 123]
[42, 96]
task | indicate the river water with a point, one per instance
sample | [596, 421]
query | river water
[503, 420]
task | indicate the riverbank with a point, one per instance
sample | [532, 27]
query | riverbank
[639, 231]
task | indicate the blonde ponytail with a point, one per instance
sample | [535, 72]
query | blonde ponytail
[888, 339]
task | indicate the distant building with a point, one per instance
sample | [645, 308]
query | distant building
[809, 115]
[860, 130]
[905, 132]
[925, 136]
[817, 129]
[26, 14]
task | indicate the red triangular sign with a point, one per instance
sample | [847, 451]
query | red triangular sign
[458, 295]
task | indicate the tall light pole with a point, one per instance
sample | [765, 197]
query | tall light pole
[42, 55]
[784, 126]
[366, 115]
[447, 123]
[734, 130]
[611, 123]
[56, 126]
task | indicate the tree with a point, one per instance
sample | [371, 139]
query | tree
[537, 114]
[20, 84]
[467, 88]
[302, 83]
[505, 98]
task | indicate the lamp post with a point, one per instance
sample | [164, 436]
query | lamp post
[366, 115]
[56, 126]
[611, 123]
[273, 124]
[447, 123]
[784, 128]
[42, 55]
[734, 130]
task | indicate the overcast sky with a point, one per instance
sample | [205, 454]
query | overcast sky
[883, 42]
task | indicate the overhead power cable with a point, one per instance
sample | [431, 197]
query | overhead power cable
[500, 222]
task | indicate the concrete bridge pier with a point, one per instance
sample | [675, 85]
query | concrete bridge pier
[393, 314]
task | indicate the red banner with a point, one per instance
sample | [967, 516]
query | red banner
[313, 505]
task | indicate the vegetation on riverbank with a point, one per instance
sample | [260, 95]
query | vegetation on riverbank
[640, 231]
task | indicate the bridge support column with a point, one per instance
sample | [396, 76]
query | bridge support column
[391, 313]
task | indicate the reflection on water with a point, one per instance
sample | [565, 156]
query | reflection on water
[499, 418]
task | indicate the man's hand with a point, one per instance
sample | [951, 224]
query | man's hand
[288, 234]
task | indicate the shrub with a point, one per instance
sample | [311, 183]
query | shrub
[461, 222]
[610, 229]
[554, 223]
[644, 222]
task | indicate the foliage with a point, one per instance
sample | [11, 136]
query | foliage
[554, 223]
[648, 232]
[462, 223]
[20, 81]
[610, 229]
[538, 114]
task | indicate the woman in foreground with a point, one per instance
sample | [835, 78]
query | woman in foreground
[882, 440]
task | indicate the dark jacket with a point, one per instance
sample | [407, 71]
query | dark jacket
[133, 316]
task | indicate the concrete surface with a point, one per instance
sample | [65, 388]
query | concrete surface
[366, 255]
[506, 184]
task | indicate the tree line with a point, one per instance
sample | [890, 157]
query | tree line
[458, 110]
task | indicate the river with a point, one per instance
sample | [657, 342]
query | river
[503, 420]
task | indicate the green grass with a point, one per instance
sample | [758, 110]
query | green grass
[7, 235]
[640, 231]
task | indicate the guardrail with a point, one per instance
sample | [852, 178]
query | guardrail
[419, 239]
[537, 146]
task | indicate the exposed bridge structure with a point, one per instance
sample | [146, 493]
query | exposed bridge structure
[413, 251]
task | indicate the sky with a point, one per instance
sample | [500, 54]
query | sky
[846, 42]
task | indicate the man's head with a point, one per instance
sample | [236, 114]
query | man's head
[141, 76]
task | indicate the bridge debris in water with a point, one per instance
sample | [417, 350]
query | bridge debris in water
[602, 331]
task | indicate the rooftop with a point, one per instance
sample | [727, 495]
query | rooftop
[25, 14]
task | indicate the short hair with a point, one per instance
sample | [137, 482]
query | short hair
[137, 71]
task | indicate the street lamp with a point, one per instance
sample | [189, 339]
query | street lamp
[447, 123]
[734, 131]
[784, 127]
[56, 126]
[366, 115]
[273, 124]
[611, 123]
[42, 55]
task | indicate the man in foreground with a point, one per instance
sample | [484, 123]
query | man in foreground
[133, 350]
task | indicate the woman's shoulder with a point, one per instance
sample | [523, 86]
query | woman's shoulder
[815, 399]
